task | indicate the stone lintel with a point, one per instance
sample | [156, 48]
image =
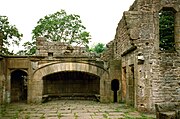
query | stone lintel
[131, 49]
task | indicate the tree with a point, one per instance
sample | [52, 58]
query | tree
[166, 30]
[98, 48]
[59, 27]
[9, 35]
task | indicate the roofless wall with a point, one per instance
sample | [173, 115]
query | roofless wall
[150, 73]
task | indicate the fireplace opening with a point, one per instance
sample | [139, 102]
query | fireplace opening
[71, 85]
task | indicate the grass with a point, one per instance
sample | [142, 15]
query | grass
[27, 116]
[59, 115]
[106, 115]
[2, 110]
[75, 115]
[42, 116]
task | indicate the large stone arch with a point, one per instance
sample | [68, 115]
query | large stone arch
[36, 82]
[68, 66]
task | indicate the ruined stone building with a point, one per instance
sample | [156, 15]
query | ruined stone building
[57, 71]
[149, 73]
[135, 68]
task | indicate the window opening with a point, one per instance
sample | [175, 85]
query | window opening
[166, 29]
[50, 54]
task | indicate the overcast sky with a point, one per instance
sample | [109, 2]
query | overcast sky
[100, 17]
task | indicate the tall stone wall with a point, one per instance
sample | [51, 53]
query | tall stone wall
[151, 75]
[121, 42]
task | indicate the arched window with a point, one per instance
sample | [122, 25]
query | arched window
[166, 29]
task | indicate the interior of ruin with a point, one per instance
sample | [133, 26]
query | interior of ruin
[140, 66]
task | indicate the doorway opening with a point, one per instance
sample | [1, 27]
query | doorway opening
[131, 85]
[18, 86]
[115, 88]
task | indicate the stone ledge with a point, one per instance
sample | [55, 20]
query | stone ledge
[167, 110]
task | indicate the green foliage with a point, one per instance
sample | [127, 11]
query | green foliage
[166, 30]
[62, 27]
[30, 48]
[59, 27]
[9, 35]
[98, 48]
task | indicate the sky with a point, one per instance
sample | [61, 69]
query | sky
[100, 17]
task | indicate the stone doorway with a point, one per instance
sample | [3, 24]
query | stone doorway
[71, 85]
[18, 86]
[115, 88]
[131, 85]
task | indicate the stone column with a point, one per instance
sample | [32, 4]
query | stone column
[115, 74]
[103, 88]
[35, 88]
[40, 43]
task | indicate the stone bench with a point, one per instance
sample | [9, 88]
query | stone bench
[48, 97]
[167, 110]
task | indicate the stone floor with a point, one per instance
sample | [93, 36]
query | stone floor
[71, 109]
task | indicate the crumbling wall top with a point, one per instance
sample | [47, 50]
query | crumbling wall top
[154, 5]
[59, 49]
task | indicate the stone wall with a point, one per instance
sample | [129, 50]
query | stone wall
[109, 53]
[1, 71]
[166, 86]
[2, 80]
[53, 58]
[56, 48]
[151, 76]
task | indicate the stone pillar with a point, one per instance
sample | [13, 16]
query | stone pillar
[104, 88]
[40, 42]
[115, 73]
[35, 90]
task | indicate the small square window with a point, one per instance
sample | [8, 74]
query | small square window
[50, 54]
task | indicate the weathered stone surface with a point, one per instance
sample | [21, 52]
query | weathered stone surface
[70, 109]
[146, 75]
[55, 49]
[167, 110]
[154, 79]
[58, 71]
